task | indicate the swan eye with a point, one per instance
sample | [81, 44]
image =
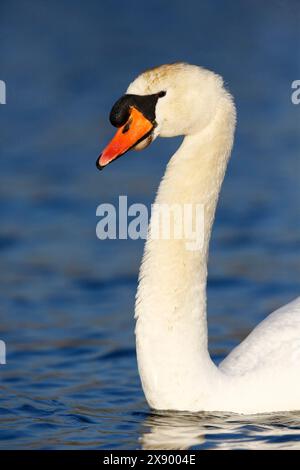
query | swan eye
[161, 94]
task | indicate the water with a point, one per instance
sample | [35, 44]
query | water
[67, 299]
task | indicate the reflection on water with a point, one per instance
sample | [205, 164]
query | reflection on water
[167, 431]
[66, 298]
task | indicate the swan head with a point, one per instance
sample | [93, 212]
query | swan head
[167, 101]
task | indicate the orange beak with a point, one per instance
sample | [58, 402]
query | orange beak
[134, 130]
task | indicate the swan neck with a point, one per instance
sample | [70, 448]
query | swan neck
[171, 330]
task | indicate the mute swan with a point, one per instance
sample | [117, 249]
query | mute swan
[262, 374]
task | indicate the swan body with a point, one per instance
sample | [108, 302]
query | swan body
[262, 374]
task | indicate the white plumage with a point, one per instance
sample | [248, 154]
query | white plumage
[262, 374]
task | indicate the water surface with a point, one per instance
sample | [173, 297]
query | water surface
[67, 299]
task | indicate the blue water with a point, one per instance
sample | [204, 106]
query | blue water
[67, 299]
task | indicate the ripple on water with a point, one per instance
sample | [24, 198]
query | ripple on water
[67, 299]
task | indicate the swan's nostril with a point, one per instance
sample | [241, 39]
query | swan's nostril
[127, 126]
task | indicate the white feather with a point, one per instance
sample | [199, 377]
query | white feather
[263, 373]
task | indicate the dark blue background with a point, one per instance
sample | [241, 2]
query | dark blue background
[67, 299]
